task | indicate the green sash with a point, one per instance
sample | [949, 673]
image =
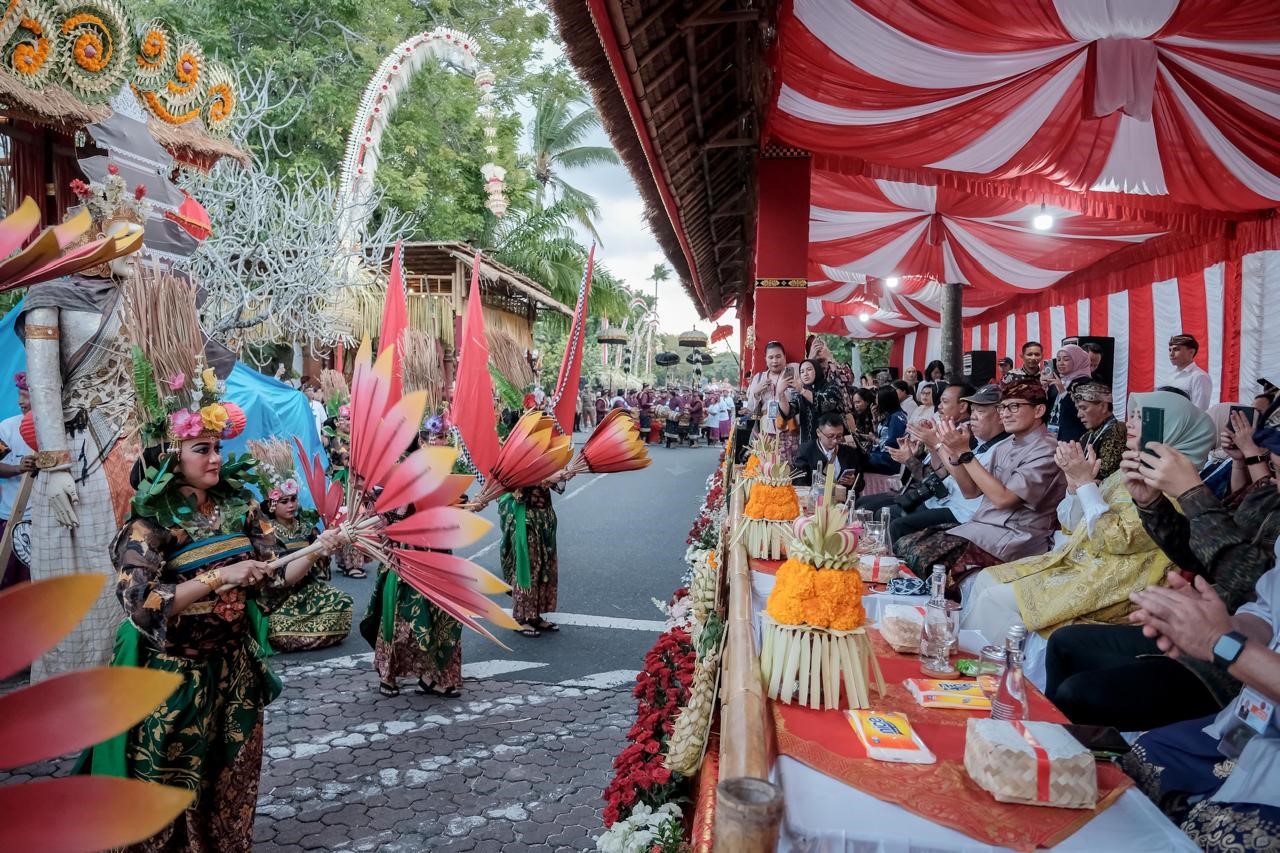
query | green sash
[108, 757]
[519, 540]
[390, 596]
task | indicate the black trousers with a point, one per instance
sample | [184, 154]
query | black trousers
[1111, 675]
[900, 524]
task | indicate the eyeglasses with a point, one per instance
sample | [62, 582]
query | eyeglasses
[832, 436]
[1012, 408]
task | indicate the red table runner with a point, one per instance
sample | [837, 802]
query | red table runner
[941, 792]
[768, 567]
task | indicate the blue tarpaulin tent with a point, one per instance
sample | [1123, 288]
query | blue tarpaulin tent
[272, 408]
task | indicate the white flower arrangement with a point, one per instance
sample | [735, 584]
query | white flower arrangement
[639, 832]
[679, 614]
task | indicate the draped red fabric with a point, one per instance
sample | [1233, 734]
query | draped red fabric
[930, 84]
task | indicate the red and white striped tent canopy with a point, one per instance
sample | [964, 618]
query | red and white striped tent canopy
[940, 130]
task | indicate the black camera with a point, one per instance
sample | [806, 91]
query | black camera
[932, 486]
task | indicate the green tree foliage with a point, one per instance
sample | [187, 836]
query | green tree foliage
[320, 54]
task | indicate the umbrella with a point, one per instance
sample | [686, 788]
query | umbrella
[693, 338]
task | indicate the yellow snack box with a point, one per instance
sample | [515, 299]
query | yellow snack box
[961, 695]
[889, 737]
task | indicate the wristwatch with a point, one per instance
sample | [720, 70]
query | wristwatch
[965, 458]
[1228, 648]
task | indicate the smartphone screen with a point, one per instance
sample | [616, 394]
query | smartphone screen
[1250, 414]
[1152, 426]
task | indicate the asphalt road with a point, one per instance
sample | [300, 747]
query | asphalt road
[621, 542]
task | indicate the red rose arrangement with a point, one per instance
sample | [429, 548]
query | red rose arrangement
[662, 688]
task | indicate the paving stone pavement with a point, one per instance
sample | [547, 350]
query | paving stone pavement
[510, 766]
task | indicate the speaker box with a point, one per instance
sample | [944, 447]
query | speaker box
[1106, 367]
[979, 367]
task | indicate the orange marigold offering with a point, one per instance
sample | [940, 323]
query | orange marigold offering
[813, 642]
[776, 503]
[771, 507]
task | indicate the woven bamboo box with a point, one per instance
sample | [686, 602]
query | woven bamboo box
[1055, 770]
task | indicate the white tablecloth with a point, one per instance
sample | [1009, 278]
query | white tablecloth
[827, 816]
[824, 815]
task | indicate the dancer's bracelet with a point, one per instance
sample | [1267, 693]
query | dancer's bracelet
[211, 579]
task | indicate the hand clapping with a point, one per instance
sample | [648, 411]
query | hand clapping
[1183, 619]
[1081, 467]
[954, 438]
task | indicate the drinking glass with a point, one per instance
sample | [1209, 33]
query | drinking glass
[873, 534]
[940, 636]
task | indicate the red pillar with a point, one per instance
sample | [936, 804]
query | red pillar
[782, 251]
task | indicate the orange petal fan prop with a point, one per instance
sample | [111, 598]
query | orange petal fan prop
[395, 505]
[54, 717]
[326, 496]
[614, 446]
[78, 814]
[531, 454]
[48, 257]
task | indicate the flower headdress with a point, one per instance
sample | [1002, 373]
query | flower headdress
[277, 474]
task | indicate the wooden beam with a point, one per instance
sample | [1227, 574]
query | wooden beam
[721, 18]
[742, 142]
[666, 41]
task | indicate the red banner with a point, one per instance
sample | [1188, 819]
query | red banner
[565, 395]
[473, 411]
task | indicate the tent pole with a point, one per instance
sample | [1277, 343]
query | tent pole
[952, 327]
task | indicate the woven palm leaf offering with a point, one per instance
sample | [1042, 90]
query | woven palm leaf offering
[814, 636]
[762, 448]
[771, 507]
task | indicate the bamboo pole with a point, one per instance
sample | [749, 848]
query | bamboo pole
[743, 742]
[748, 815]
[19, 510]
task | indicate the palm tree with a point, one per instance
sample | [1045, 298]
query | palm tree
[539, 242]
[556, 134]
[661, 272]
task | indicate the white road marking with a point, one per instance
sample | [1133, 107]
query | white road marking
[498, 666]
[602, 680]
[487, 548]
[587, 620]
[583, 487]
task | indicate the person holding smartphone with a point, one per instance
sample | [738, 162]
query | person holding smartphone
[826, 449]
[762, 395]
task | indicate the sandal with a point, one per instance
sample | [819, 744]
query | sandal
[528, 631]
[355, 573]
[432, 690]
[388, 690]
[543, 625]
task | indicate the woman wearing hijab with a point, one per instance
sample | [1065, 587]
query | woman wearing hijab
[1073, 367]
[925, 403]
[1216, 472]
[1107, 553]
[808, 397]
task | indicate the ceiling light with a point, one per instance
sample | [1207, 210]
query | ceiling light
[864, 317]
[891, 282]
[1043, 220]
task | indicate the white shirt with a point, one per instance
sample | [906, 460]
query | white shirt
[909, 406]
[9, 486]
[318, 412]
[1256, 777]
[961, 507]
[1196, 383]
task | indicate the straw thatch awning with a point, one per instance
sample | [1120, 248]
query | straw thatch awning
[680, 89]
[54, 106]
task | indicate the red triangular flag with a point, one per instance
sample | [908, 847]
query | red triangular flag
[472, 409]
[566, 391]
[395, 319]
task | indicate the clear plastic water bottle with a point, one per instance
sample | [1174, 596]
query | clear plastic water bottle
[939, 628]
[1011, 699]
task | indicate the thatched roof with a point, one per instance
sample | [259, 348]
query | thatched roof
[679, 86]
[439, 258]
[54, 106]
